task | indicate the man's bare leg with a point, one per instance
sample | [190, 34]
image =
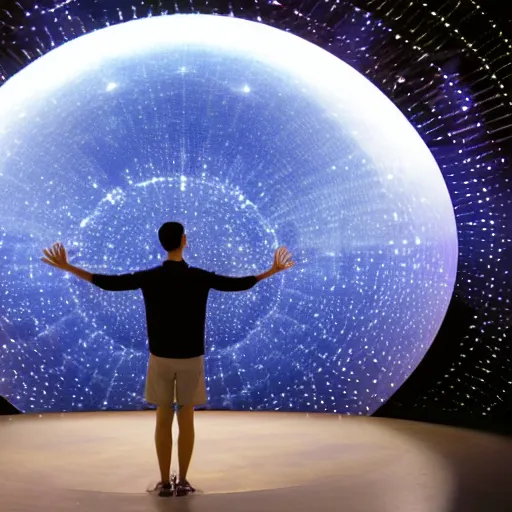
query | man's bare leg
[186, 438]
[163, 440]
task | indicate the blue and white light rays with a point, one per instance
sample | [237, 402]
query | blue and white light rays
[401, 59]
[336, 172]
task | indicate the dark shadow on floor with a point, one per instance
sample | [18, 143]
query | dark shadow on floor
[480, 462]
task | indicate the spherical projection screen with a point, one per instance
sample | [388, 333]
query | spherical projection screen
[253, 138]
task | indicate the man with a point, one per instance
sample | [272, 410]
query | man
[175, 297]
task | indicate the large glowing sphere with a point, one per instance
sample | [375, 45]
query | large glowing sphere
[252, 137]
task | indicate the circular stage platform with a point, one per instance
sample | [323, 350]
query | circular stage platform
[253, 462]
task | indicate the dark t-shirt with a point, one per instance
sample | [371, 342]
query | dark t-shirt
[175, 296]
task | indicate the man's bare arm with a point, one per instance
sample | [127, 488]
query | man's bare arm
[266, 274]
[79, 272]
[56, 257]
[282, 261]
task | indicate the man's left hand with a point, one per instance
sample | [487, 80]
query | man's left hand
[56, 256]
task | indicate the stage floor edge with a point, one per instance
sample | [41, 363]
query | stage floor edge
[253, 461]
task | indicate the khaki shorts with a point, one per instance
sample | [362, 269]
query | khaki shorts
[180, 381]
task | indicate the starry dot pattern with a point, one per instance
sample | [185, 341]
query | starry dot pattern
[462, 113]
[220, 141]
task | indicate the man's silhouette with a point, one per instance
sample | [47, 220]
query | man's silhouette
[175, 297]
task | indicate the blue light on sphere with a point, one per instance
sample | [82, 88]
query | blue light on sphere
[252, 137]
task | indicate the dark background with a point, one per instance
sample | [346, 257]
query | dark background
[466, 377]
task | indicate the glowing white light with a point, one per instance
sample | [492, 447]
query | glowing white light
[316, 154]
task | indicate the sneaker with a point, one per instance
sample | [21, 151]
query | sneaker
[164, 489]
[183, 488]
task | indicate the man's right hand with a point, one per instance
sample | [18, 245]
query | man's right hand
[282, 260]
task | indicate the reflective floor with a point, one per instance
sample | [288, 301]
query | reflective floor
[253, 462]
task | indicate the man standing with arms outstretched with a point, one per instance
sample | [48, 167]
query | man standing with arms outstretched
[175, 297]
